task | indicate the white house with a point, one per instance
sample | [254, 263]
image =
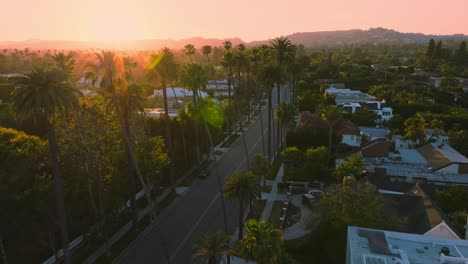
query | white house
[351, 135]
[219, 87]
[436, 136]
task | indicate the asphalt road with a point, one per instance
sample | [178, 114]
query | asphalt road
[172, 237]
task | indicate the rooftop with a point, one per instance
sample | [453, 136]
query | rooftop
[366, 246]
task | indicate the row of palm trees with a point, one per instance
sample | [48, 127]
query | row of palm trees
[47, 92]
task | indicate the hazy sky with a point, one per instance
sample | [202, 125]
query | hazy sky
[247, 19]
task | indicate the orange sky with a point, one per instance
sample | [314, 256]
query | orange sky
[247, 19]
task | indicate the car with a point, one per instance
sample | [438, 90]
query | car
[315, 192]
[203, 174]
[308, 198]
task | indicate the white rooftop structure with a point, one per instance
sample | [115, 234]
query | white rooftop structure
[159, 112]
[374, 246]
[374, 132]
[442, 230]
[178, 92]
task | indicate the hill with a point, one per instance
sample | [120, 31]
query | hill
[308, 39]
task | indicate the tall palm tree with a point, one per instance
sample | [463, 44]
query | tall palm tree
[269, 76]
[262, 243]
[41, 95]
[206, 50]
[282, 51]
[64, 62]
[164, 66]
[109, 67]
[331, 114]
[243, 187]
[190, 51]
[129, 64]
[285, 113]
[228, 62]
[212, 248]
[194, 77]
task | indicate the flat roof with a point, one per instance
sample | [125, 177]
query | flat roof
[366, 246]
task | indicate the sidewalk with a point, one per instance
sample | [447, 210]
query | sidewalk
[273, 195]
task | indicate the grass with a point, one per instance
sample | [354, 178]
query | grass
[276, 213]
[294, 214]
[274, 168]
[256, 213]
[267, 188]
[230, 140]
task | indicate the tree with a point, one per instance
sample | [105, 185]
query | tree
[260, 167]
[269, 76]
[459, 141]
[285, 113]
[212, 247]
[331, 114]
[189, 51]
[353, 166]
[293, 157]
[164, 66]
[228, 62]
[194, 77]
[115, 83]
[415, 128]
[243, 187]
[262, 243]
[41, 95]
[283, 52]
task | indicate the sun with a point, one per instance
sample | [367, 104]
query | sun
[115, 20]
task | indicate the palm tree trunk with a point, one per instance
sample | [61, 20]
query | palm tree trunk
[58, 188]
[241, 220]
[329, 144]
[278, 127]
[3, 251]
[196, 127]
[169, 137]
[126, 137]
[261, 129]
[269, 124]
[181, 128]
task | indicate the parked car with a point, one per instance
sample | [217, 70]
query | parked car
[308, 199]
[315, 192]
[203, 174]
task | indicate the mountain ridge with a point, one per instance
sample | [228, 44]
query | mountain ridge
[308, 39]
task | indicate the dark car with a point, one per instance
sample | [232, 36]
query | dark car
[203, 174]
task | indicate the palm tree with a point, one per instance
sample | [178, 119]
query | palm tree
[269, 76]
[194, 77]
[282, 51]
[212, 248]
[285, 113]
[243, 187]
[129, 64]
[115, 82]
[262, 243]
[64, 62]
[227, 62]
[206, 50]
[41, 95]
[260, 167]
[189, 51]
[164, 66]
[331, 114]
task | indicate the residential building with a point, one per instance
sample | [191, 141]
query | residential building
[350, 134]
[366, 246]
[436, 136]
[353, 100]
[219, 87]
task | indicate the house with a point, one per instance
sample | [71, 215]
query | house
[350, 133]
[437, 136]
[443, 158]
[219, 87]
[351, 101]
[366, 246]
[175, 94]
[373, 133]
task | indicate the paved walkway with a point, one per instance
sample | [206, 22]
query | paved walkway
[273, 195]
[299, 229]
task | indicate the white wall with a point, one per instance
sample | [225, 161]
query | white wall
[351, 140]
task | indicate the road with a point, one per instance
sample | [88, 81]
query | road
[172, 237]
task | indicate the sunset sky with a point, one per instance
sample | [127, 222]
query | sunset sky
[247, 19]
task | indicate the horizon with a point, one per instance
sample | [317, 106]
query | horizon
[229, 37]
[118, 20]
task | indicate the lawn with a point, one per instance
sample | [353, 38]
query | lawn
[257, 209]
[274, 168]
[276, 213]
